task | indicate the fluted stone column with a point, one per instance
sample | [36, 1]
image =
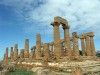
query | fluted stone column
[62, 49]
[11, 55]
[66, 37]
[6, 57]
[42, 50]
[34, 51]
[82, 38]
[57, 45]
[46, 52]
[88, 47]
[92, 46]
[75, 44]
[15, 52]
[21, 53]
[31, 55]
[26, 50]
[51, 50]
[38, 46]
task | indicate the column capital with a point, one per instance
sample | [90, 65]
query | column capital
[75, 34]
[65, 26]
[91, 34]
[82, 36]
[55, 23]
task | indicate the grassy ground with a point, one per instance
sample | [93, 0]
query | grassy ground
[21, 72]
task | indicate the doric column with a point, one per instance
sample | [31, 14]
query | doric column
[15, 52]
[51, 50]
[6, 57]
[75, 44]
[92, 46]
[88, 47]
[82, 38]
[21, 53]
[46, 52]
[34, 51]
[31, 55]
[11, 55]
[26, 50]
[57, 45]
[67, 38]
[38, 46]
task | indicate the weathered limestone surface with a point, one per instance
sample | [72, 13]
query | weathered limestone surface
[82, 37]
[75, 44]
[46, 52]
[57, 45]
[88, 47]
[91, 34]
[31, 55]
[67, 38]
[21, 53]
[12, 54]
[26, 50]
[77, 71]
[6, 57]
[15, 52]
[38, 46]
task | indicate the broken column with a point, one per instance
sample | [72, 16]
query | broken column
[11, 54]
[6, 57]
[51, 50]
[82, 38]
[21, 56]
[38, 46]
[21, 53]
[34, 51]
[46, 52]
[16, 52]
[26, 49]
[57, 45]
[31, 55]
[75, 44]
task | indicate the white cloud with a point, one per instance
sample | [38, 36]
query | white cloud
[81, 14]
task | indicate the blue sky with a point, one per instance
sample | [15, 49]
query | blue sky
[21, 19]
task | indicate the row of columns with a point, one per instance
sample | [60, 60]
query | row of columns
[24, 53]
[87, 44]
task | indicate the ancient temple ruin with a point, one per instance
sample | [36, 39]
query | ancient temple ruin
[57, 50]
